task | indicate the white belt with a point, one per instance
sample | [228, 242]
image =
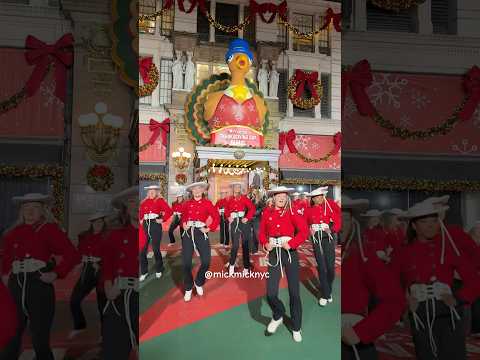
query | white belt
[320, 227]
[91, 259]
[177, 213]
[192, 225]
[351, 320]
[27, 266]
[150, 216]
[277, 243]
[429, 293]
[221, 210]
[196, 224]
[237, 214]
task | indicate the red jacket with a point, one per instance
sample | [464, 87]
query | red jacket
[200, 210]
[420, 263]
[221, 203]
[241, 203]
[364, 280]
[324, 213]
[8, 314]
[375, 239]
[155, 206]
[39, 242]
[273, 224]
[177, 206]
[91, 244]
[120, 256]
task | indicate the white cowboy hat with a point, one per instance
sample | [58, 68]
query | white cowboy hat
[354, 204]
[152, 187]
[280, 190]
[372, 213]
[440, 200]
[32, 197]
[323, 190]
[394, 211]
[306, 193]
[203, 184]
[237, 183]
[296, 194]
[97, 215]
[423, 209]
[119, 199]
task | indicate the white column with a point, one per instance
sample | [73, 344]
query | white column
[290, 34]
[424, 18]
[360, 15]
[241, 17]
[316, 38]
[212, 28]
[289, 103]
[337, 192]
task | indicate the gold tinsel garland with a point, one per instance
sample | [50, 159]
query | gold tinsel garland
[153, 76]
[160, 177]
[396, 5]
[392, 184]
[305, 181]
[41, 171]
[300, 102]
[404, 133]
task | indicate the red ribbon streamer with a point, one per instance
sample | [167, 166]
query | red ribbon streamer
[144, 66]
[309, 79]
[332, 17]
[287, 138]
[358, 79]
[42, 55]
[158, 129]
[267, 8]
[193, 4]
[471, 83]
[337, 142]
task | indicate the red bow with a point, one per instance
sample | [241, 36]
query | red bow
[144, 66]
[337, 142]
[158, 129]
[262, 9]
[358, 79]
[168, 4]
[306, 78]
[193, 4]
[336, 18]
[472, 88]
[287, 138]
[42, 55]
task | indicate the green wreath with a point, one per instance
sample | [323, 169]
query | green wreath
[100, 177]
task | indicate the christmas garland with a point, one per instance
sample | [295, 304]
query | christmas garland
[255, 8]
[100, 177]
[150, 76]
[396, 5]
[161, 178]
[392, 184]
[303, 181]
[41, 171]
[296, 89]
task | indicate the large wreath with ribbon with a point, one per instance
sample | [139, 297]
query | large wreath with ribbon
[100, 177]
[150, 76]
[301, 81]
[359, 77]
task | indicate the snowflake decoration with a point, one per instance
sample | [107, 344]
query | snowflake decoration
[251, 107]
[405, 121]
[465, 148]
[388, 88]
[349, 108]
[476, 118]
[48, 93]
[238, 112]
[215, 121]
[419, 100]
[301, 141]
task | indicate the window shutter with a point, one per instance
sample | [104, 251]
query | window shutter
[441, 16]
[282, 91]
[383, 20]
[325, 105]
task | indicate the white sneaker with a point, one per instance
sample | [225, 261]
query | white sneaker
[297, 336]
[188, 296]
[273, 325]
[199, 290]
[330, 299]
[143, 277]
[158, 275]
[245, 272]
[322, 302]
[231, 270]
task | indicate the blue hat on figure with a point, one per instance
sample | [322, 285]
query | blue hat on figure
[238, 46]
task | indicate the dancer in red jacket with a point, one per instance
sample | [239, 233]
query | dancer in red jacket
[282, 231]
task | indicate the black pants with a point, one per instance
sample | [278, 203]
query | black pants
[243, 231]
[292, 271]
[255, 228]
[40, 307]
[203, 246]
[117, 342]
[173, 225]
[84, 286]
[476, 317]
[154, 238]
[224, 231]
[365, 352]
[451, 344]
[324, 251]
